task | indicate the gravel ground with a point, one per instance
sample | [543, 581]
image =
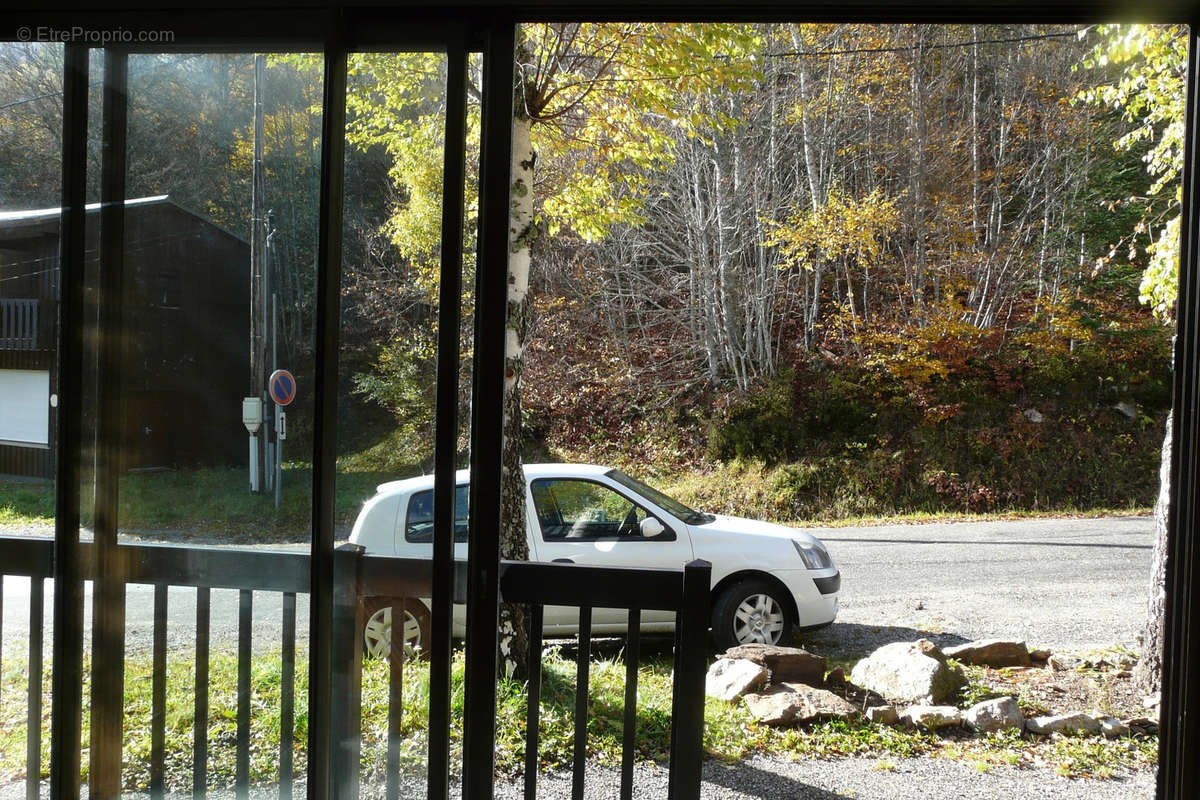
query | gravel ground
[861, 779]
[778, 779]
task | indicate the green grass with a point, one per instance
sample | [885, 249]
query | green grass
[752, 489]
[22, 502]
[730, 733]
[217, 502]
[208, 501]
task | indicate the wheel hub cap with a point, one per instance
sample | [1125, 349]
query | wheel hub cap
[377, 634]
[758, 619]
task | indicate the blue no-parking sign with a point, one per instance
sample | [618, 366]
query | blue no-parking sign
[282, 387]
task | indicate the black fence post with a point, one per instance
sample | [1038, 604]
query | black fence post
[347, 672]
[687, 694]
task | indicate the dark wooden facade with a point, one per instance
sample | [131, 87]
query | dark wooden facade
[186, 346]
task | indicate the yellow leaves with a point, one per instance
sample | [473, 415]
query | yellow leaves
[608, 102]
[937, 344]
[1054, 327]
[1160, 281]
[1149, 91]
[844, 228]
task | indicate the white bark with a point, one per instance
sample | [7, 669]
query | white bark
[513, 543]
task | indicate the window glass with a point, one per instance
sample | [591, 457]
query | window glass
[688, 515]
[418, 525]
[578, 509]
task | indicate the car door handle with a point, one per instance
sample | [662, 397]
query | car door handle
[562, 561]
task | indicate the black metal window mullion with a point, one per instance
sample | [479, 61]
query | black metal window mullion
[1178, 771]
[479, 735]
[329, 259]
[67, 681]
[108, 604]
[446, 420]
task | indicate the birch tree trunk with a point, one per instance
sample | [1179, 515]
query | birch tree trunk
[513, 542]
[1147, 673]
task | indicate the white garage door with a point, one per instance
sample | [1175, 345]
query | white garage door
[24, 407]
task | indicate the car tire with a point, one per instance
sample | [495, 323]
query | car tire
[749, 612]
[377, 628]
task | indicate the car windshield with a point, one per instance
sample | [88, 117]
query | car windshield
[688, 515]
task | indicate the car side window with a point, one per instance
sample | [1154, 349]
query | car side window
[418, 521]
[572, 509]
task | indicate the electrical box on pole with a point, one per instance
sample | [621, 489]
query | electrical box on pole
[252, 418]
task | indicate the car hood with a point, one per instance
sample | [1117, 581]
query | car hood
[739, 526]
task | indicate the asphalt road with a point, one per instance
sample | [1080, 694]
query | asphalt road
[1062, 583]
[1059, 583]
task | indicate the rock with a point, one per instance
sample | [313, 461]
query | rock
[1116, 659]
[932, 717]
[1061, 662]
[1127, 408]
[1039, 655]
[784, 663]
[991, 653]
[930, 649]
[1112, 727]
[883, 715]
[794, 703]
[730, 678]
[1034, 416]
[908, 673]
[1143, 726]
[1077, 722]
[999, 714]
[1152, 700]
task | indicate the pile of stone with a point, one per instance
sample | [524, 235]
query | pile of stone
[911, 683]
[780, 685]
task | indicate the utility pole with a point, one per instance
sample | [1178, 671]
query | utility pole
[259, 294]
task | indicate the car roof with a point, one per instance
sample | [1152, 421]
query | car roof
[532, 471]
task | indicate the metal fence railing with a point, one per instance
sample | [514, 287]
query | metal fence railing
[535, 585]
[357, 577]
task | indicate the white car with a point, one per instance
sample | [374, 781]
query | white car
[767, 580]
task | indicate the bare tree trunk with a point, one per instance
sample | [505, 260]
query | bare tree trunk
[1147, 674]
[975, 136]
[513, 542]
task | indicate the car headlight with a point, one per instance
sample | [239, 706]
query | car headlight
[814, 554]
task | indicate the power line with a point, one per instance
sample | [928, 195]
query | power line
[1076, 34]
[29, 100]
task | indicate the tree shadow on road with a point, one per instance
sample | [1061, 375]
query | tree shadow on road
[851, 640]
[751, 781]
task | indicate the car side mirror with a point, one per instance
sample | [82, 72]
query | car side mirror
[651, 528]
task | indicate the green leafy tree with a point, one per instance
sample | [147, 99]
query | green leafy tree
[1150, 92]
[594, 108]
[1149, 89]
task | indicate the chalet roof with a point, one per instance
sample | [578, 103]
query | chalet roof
[43, 213]
[27, 225]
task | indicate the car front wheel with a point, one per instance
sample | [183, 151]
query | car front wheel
[377, 628]
[750, 612]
